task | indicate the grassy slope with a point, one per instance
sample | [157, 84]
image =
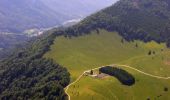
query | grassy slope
[90, 51]
[106, 89]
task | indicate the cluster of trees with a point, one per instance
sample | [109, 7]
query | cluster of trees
[151, 52]
[123, 76]
[133, 19]
[27, 75]
[165, 89]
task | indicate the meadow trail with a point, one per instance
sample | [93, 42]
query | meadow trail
[126, 66]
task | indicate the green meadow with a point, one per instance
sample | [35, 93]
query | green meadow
[90, 51]
[110, 88]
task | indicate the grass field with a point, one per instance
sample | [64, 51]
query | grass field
[111, 89]
[90, 51]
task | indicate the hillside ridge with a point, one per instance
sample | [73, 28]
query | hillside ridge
[145, 20]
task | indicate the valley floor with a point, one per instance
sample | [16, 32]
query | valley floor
[147, 62]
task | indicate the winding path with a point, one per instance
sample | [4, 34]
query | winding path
[158, 77]
[126, 66]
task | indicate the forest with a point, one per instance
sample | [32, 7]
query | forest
[27, 75]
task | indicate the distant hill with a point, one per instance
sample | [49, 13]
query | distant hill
[20, 15]
[133, 19]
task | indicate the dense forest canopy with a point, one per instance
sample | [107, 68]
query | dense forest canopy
[27, 75]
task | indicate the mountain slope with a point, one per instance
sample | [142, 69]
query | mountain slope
[25, 75]
[149, 17]
[133, 19]
[19, 15]
[10, 40]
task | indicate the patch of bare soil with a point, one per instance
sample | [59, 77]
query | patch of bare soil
[102, 76]
[167, 62]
